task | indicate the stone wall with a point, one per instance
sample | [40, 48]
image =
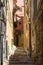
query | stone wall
[37, 35]
[9, 26]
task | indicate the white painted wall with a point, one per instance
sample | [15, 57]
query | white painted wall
[11, 6]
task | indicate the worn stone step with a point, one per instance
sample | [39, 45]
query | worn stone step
[21, 62]
[20, 58]
[26, 59]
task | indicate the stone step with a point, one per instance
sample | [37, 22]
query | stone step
[21, 62]
[21, 52]
[20, 49]
[26, 59]
[20, 58]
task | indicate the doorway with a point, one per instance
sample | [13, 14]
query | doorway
[16, 40]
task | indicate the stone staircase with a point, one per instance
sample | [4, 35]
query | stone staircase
[20, 58]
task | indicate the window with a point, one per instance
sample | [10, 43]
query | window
[35, 7]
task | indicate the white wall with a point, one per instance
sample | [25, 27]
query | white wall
[9, 24]
[11, 6]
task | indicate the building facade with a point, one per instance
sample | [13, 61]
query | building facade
[37, 30]
[2, 30]
[27, 27]
[9, 26]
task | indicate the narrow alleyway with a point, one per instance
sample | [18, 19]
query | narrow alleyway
[20, 58]
[21, 32]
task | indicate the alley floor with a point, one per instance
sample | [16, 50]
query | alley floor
[20, 58]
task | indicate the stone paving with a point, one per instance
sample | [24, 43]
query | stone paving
[20, 58]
